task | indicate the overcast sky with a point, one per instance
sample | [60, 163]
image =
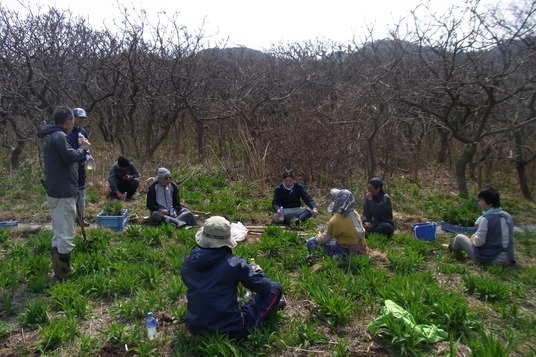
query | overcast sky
[258, 24]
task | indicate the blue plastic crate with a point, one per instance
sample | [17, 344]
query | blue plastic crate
[8, 224]
[453, 228]
[115, 223]
[426, 230]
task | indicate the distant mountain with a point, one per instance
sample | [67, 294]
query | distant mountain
[236, 52]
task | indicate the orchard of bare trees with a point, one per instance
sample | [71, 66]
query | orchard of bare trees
[456, 91]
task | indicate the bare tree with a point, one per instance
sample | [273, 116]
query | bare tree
[467, 81]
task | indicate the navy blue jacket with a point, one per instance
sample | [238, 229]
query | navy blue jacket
[212, 277]
[291, 198]
[81, 164]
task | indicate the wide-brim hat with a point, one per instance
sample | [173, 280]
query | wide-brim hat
[215, 233]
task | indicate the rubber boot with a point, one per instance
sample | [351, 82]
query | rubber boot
[55, 257]
[65, 264]
[61, 264]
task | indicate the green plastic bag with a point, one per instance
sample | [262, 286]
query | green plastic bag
[428, 333]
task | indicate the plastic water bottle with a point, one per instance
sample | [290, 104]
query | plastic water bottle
[80, 137]
[150, 324]
[248, 295]
[172, 211]
[125, 196]
[90, 162]
[282, 211]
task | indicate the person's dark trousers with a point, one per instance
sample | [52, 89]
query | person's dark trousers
[305, 215]
[130, 187]
[255, 311]
[382, 228]
[258, 309]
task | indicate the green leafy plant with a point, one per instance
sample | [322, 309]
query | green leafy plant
[38, 283]
[407, 262]
[487, 344]
[5, 329]
[68, 297]
[58, 332]
[36, 313]
[462, 215]
[4, 235]
[117, 333]
[112, 208]
[309, 336]
[487, 289]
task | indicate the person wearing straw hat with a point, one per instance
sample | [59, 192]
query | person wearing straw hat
[163, 202]
[211, 272]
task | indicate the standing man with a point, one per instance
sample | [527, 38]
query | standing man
[123, 179]
[61, 183]
[76, 135]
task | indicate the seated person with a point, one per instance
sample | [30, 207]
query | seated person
[493, 242]
[377, 210]
[211, 273]
[123, 178]
[345, 233]
[286, 202]
[163, 202]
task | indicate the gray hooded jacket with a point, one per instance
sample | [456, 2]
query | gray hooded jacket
[61, 162]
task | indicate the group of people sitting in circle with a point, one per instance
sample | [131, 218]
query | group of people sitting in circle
[212, 266]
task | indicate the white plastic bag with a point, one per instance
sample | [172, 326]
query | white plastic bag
[238, 231]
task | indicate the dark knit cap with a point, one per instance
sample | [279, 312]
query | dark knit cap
[376, 182]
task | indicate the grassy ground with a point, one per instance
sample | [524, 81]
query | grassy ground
[486, 311]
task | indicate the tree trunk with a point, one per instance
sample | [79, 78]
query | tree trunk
[523, 182]
[444, 141]
[15, 155]
[461, 165]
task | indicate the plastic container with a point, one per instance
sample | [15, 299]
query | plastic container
[80, 137]
[115, 223]
[8, 224]
[248, 295]
[150, 324]
[426, 230]
[90, 162]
